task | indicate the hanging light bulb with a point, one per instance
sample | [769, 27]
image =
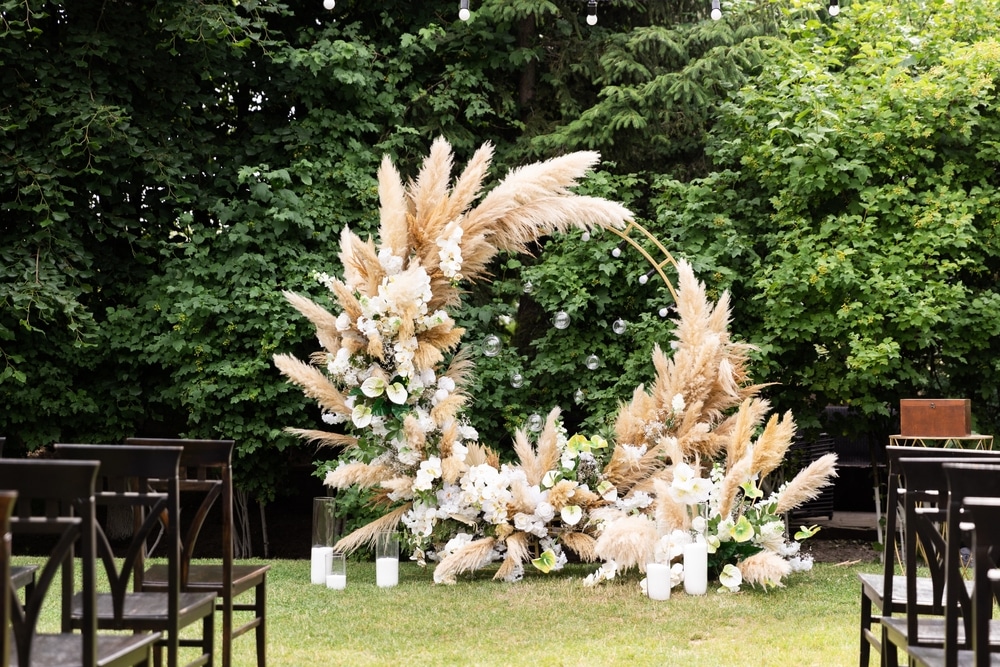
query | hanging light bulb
[463, 10]
[591, 12]
[716, 10]
[644, 278]
[834, 8]
[617, 250]
[329, 4]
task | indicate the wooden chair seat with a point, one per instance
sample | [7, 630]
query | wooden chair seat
[22, 575]
[146, 610]
[67, 650]
[932, 631]
[206, 577]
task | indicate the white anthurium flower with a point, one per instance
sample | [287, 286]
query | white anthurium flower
[396, 392]
[713, 543]
[373, 387]
[571, 514]
[730, 578]
[550, 479]
[361, 415]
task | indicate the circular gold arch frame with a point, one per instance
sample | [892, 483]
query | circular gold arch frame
[625, 234]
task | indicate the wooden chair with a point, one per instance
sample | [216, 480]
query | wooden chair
[985, 514]
[56, 498]
[124, 482]
[206, 473]
[7, 499]
[886, 591]
[965, 482]
[933, 515]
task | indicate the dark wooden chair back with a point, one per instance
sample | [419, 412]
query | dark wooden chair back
[145, 481]
[933, 516]
[896, 502]
[54, 499]
[965, 480]
[7, 499]
[985, 514]
[205, 473]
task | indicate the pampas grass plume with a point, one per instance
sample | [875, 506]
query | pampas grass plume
[630, 541]
[764, 569]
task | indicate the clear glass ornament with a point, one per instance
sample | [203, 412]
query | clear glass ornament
[491, 346]
[619, 326]
[535, 422]
[592, 362]
[561, 320]
[516, 380]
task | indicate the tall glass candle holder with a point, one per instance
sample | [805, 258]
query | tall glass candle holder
[324, 536]
[387, 559]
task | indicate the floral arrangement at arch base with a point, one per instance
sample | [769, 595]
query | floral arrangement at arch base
[689, 452]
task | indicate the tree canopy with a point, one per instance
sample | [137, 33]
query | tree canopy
[168, 169]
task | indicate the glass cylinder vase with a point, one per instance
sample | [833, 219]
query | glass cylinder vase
[324, 536]
[387, 559]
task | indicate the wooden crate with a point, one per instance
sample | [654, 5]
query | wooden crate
[935, 417]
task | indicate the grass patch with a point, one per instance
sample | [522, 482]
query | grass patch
[553, 620]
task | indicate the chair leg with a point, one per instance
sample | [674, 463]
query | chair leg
[208, 637]
[866, 624]
[227, 630]
[260, 601]
[890, 655]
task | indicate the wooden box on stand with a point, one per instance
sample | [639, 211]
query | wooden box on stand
[935, 417]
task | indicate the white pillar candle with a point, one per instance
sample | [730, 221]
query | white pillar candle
[658, 581]
[320, 564]
[695, 568]
[336, 581]
[386, 572]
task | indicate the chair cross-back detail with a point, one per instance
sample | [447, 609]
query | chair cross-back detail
[124, 481]
[933, 518]
[56, 498]
[206, 470]
[886, 591]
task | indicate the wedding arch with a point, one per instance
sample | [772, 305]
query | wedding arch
[689, 451]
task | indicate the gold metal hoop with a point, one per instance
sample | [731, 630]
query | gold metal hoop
[658, 265]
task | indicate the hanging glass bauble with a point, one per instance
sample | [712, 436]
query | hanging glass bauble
[491, 346]
[535, 422]
[592, 362]
[516, 380]
[561, 320]
[619, 326]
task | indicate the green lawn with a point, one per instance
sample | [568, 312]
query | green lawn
[554, 620]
